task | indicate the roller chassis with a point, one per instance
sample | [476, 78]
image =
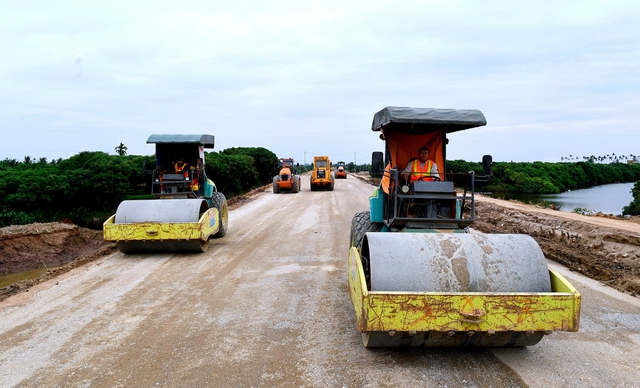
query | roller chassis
[439, 309]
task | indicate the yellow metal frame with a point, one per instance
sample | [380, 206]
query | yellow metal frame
[558, 310]
[206, 226]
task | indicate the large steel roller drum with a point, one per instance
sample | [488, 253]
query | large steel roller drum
[448, 262]
[162, 211]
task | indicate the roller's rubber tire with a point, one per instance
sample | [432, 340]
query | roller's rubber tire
[295, 186]
[276, 186]
[361, 224]
[220, 202]
[313, 187]
[330, 187]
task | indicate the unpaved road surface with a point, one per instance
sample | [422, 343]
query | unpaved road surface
[268, 305]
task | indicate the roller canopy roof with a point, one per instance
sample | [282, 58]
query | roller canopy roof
[204, 140]
[420, 120]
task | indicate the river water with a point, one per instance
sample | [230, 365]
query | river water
[609, 199]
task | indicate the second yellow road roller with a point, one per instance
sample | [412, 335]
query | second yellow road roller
[419, 275]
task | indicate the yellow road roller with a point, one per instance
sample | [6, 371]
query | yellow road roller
[187, 210]
[419, 276]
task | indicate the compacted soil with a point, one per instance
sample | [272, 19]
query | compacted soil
[268, 306]
[602, 247]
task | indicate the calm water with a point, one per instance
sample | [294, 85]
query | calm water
[609, 199]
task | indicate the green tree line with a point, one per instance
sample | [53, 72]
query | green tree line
[87, 187]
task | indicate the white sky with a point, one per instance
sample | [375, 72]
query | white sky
[553, 78]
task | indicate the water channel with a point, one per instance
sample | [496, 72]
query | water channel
[608, 199]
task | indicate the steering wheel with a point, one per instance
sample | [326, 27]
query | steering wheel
[424, 178]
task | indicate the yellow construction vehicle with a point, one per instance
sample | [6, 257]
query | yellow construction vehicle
[187, 210]
[321, 175]
[418, 276]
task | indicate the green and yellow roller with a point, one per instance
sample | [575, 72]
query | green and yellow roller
[187, 210]
[419, 276]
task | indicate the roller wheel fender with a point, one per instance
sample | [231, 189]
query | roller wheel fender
[220, 202]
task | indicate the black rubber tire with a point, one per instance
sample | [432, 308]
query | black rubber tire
[219, 201]
[276, 186]
[313, 187]
[330, 187]
[295, 186]
[361, 224]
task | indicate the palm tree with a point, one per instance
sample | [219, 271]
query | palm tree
[121, 150]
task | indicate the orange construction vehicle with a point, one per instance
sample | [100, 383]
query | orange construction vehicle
[286, 179]
[341, 171]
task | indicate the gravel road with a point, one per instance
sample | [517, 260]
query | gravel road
[268, 305]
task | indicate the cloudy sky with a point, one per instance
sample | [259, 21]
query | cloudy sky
[553, 78]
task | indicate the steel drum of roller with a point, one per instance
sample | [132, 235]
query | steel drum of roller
[161, 211]
[461, 262]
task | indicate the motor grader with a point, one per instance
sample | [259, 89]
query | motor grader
[419, 276]
[341, 170]
[321, 175]
[187, 210]
[287, 179]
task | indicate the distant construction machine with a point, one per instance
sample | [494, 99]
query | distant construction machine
[341, 171]
[287, 179]
[321, 175]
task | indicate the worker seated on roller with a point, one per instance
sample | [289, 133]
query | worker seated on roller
[182, 168]
[421, 168]
[179, 168]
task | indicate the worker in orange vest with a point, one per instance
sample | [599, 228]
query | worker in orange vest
[181, 167]
[421, 167]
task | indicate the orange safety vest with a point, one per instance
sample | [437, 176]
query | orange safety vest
[385, 179]
[178, 169]
[417, 172]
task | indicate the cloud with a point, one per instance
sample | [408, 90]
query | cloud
[298, 77]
